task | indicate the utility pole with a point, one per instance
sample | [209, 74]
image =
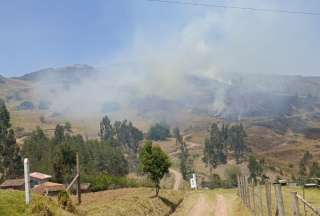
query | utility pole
[27, 181]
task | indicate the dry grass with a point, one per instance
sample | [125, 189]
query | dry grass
[129, 202]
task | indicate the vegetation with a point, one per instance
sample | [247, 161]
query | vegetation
[220, 141]
[57, 154]
[255, 168]
[12, 203]
[155, 163]
[159, 132]
[10, 158]
[131, 202]
[121, 134]
[185, 159]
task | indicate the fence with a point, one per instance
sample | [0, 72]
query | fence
[269, 199]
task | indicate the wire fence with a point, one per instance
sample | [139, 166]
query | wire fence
[269, 199]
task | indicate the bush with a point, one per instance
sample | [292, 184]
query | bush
[159, 132]
[105, 182]
[231, 173]
[65, 201]
[40, 208]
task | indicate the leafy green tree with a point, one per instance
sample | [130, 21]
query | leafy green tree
[158, 132]
[236, 140]
[185, 160]
[314, 170]
[255, 168]
[106, 131]
[214, 151]
[154, 162]
[10, 156]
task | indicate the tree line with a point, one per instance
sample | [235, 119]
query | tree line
[221, 141]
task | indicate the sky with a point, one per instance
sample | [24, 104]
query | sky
[37, 34]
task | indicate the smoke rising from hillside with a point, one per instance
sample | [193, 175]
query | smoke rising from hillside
[211, 46]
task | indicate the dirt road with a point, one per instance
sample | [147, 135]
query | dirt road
[177, 179]
[219, 202]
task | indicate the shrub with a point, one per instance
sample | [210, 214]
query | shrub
[105, 182]
[231, 173]
[40, 208]
[65, 201]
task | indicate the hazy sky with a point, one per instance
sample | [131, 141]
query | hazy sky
[36, 34]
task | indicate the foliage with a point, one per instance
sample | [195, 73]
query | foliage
[65, 202]
[10, 157]
[158, 132]
[255, 168]
[154, 162]
[214, 150]
[231, 173]
[236, 140]
[57, 154]
[185, 160]
[121, 134]
[106, 181]
[40, 208]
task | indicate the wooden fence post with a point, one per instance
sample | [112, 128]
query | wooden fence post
[242, 189]
[78, 179]
[268, 198]
[260, 199]
[295, 204]
[279, 198]
[253, 199]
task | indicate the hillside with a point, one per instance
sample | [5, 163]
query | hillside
[280, 113]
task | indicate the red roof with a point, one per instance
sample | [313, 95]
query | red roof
[48, 186]
[12, 183]
[41, 176]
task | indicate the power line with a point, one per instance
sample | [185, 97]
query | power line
[236, 7]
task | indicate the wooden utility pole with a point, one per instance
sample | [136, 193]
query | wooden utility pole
[78, 180]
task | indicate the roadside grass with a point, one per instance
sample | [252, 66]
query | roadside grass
[12, 204]
[130, 202]
[311, 195]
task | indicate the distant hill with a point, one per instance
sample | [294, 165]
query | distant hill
[67, 74]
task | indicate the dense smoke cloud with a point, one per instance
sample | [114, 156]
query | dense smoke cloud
[211, 45]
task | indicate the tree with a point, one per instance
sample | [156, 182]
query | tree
[155, 163]
[10, 157]
[236, 140]
[255, 168]
[214, 151]
[106, 131]
[185, 161]
[159, 132]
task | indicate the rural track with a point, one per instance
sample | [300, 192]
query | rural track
[177, 179]
[204, 205]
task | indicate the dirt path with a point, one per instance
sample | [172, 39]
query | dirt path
[202, 207]
[177, 179]
[220, 207]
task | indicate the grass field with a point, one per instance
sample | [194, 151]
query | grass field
[130, 202]
[12, 204]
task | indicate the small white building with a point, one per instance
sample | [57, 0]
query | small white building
[37, 178]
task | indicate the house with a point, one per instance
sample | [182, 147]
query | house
[16, 184]
[37, 178]
[48, 188]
